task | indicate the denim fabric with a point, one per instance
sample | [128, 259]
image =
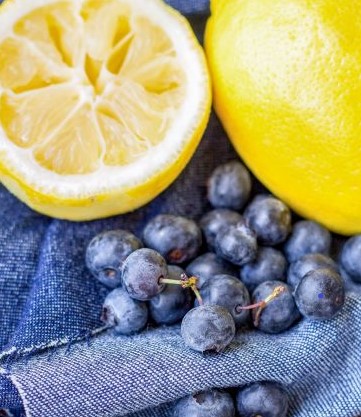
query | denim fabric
[319, 362]
[190, 7]
[57, 356]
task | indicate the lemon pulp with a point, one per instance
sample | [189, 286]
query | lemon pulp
[97, 99]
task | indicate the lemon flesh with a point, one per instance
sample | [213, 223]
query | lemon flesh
[102, 103]
[287, 88]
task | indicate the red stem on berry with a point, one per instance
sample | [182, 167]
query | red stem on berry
[261, 305]
[185, 282]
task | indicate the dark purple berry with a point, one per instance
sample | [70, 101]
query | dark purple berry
[142, 272]
[307, 237]
[320, 294]
[269, 265]
[125, 314]
[351, 258]
[172, 304]
[229, 186]
[270, 218]
[215, 221]
[205, 404]
[280, 313]
[262, 399]
[207, 266]
[307, 263]
[228, 292]
[176, 238]
[208, 328]
[237, 244]
[106, 253]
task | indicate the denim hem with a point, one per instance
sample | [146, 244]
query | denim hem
[15, 353]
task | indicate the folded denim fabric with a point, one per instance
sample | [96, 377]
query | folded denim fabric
[319, 363]
[57, 360]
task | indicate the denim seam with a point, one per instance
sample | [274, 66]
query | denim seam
[8, 354]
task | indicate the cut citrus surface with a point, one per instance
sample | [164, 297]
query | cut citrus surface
[102, 103]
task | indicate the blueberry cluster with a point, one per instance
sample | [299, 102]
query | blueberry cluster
[231, 270]
[264, 398]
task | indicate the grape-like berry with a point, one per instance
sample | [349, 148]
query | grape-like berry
[142, 273]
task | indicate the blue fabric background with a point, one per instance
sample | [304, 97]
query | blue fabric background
[63, 363]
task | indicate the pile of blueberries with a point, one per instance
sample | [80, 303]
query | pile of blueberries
[229, 271]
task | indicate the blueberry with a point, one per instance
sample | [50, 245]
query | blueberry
[208, 328]
[142, 271]
[176, 238]
[269, 265]
[280, 313]
[205, 404]
[237, 244]
[263, 399]
[106, 253]
[125, 314]
[307, 237]
[270, 218]
[206, 266]
[215, 221]
[320, 294]
[228, 292]
[351, 258]
[172, 304]
[229, 186]
[307, 263]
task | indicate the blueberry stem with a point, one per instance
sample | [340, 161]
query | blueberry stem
[240, 308]
[197, 294]
[170, 281]
[185, 282]
[262, 304]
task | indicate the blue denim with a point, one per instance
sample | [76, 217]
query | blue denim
[57, 359]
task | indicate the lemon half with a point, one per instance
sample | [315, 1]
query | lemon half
[102, 103]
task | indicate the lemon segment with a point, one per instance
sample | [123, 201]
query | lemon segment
[26, 68]
[101, 103]
[16, 109]
[75, 148]
[53, 30]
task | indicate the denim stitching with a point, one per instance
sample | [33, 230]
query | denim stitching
[8, 355]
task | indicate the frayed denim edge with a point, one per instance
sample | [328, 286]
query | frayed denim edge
[14, 352]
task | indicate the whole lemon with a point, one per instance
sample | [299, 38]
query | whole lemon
[287, 88]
